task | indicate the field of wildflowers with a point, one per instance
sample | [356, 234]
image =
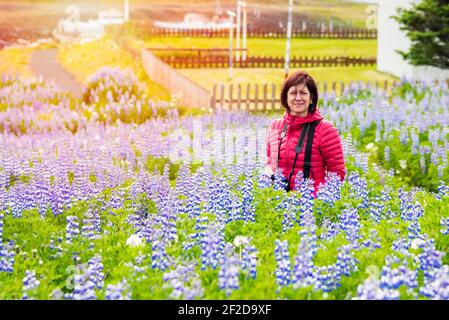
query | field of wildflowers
[119, 197]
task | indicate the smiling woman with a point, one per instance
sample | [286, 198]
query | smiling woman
[302, 125]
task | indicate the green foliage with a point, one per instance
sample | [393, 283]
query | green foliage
[427, 26]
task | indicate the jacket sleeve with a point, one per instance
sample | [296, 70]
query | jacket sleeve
[332, 150]
[268, 165]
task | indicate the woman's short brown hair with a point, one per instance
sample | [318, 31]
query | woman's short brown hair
[298, 78]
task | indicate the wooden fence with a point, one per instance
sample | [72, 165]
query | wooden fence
[266, 97]
[353, 33]
[222, 61]
[192, 95]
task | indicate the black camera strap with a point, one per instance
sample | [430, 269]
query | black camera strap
[309, 130]
[308, 154]
[298, 149]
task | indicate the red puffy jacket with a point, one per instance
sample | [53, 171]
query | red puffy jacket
[327, 151]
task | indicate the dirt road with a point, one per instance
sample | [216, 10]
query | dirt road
[45, 63]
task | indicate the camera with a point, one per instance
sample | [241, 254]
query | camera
[284, 182]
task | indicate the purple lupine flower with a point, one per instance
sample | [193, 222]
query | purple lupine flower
[95, 272]
[121, 291]
[393, 278]
[212, 246]
[375, 210]
[57, 248]
[283, 269]
[349, 223]
[1, 229]
[185, 283]
[443, 190]
[430, 258]
[370, 290]
[436, 284]
[91, 228]
[330, 191]
[201, 224]
[346, 261]
[30, 283]
[7, 256]
[290, 208]
[329, 229]
[72, 229]
[302, 275]
[358, 188]
[264, 181]
[219, 199]
[83, 288]
[193, 204]
[306, 218]
[326, 278]
[159, 256]
[280, 182]
[248, 256]
[444, 222]
[248, 209]
[401, 245]
[387, 154]
[228, 275]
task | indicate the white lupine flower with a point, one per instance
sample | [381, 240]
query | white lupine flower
[134, 241]
[239, 240]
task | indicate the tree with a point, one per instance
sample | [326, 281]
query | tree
[427, 26]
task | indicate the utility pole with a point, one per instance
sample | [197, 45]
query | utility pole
[289, 36]
[231, 31]
[126, 10]
[217, 7]
[244, 31]
[237, 31]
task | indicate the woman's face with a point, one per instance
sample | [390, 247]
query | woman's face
[299, 100]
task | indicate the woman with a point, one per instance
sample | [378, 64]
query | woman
[299, 96]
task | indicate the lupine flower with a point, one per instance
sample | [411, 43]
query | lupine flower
[95, 272]
[30, 283]
[134, 241]
[264, 181]
[346, 261]
[402, 245]
[159, 256]
[121, 291]
[349, 223]
[436, 285]
[326, 278]
[303, 270]
[212, 246]
[430, 258]
[72, 229]
[280, 182]
[330, 191]
[248, 210]
[444, 222]
[185, 283]
[1, 229]
[228, 276]
[370, 290]
[283, 269]
[91, 228]
[306, 219]
[358, 188]
[329, 229]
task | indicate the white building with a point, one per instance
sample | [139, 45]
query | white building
[391, 39]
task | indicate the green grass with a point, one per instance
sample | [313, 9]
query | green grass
[208, 77]
[15, 61]
[83, 60]
[274, 47]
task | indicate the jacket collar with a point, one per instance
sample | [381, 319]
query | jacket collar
[297, 121]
